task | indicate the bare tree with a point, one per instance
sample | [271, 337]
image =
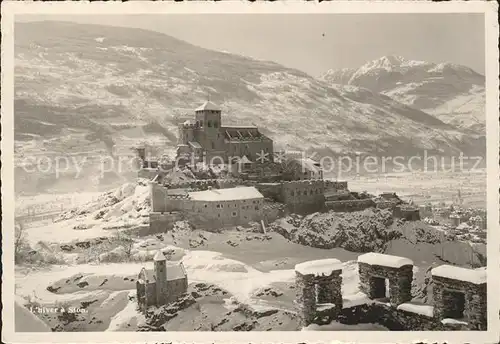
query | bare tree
[20, 242]
[126, 241]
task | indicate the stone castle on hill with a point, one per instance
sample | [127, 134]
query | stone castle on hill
[261, 187]
[207, 139]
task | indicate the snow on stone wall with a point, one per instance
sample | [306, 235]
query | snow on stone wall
[462, 274]
[384, 260]
[319, 267]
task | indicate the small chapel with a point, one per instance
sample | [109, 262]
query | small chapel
[162, 285]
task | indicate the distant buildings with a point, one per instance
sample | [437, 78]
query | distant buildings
[303, 169]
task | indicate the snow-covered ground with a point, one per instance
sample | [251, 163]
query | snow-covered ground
[96, 215]
[256, 265]
[111, 285]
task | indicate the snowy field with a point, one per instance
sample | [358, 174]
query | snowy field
[428, 187]
[52, 202]
[109, 288]
[255, 269]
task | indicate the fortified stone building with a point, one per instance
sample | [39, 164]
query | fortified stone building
[206, 138]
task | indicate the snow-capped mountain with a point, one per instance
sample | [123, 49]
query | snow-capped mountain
[453, 93]
[84, 88]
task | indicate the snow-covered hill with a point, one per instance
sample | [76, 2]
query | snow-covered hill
[453, 93]
[87, 89]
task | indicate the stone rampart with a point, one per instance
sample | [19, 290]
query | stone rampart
[163, 222]
[350, 205]
[460, 293]
[375, 268]
[334, 186]
[270, 190]
[205, 184]
[303, 196]
[406, 212]
[318, 284]
[459, 301]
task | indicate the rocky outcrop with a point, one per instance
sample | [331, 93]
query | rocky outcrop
[363, 231]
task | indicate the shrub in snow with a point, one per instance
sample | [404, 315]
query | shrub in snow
[115, 256]
[25, 254]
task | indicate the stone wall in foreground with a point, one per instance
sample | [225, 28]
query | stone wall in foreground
[459, 301]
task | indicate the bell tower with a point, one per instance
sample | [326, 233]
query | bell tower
[208, 117]
[160, 271]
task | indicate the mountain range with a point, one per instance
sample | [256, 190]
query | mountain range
[453, 93]
[86, 88]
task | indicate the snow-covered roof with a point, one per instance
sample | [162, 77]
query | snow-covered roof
[373, 258]
[174, 272]
[319, 267]
[159, 256]
[476, 276]
[194, 144]
[232, 194]
[423, 309]
[208, 105]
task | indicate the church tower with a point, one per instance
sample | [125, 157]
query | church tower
[160, 271]
[208, 117]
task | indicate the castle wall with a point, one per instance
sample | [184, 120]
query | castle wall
[162, 222]
[349, 205]
[385, 204]
[446, 303]
[306, 298]
[158, 197]
[270, 190]
[205, 184]
[318, 290]
[394, 319]
[304, 196]
[375, 268]
[225, 214]
[272, 211]
[335, 186]
[318, 287]
[407, 213]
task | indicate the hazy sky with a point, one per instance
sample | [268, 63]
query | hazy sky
[315, 43]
